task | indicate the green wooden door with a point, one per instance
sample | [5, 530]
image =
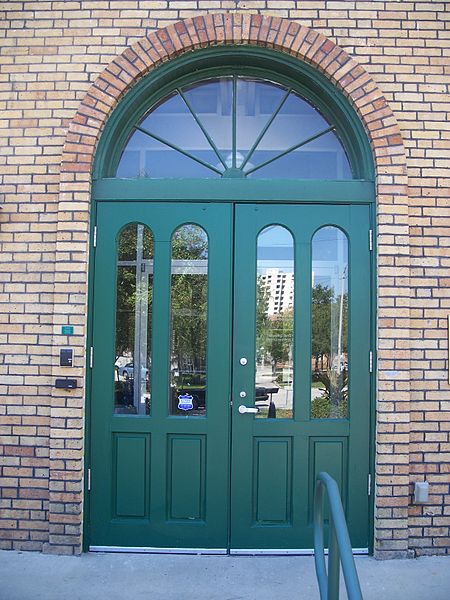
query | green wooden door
[175, 463]
[160, 393]
[302, 316]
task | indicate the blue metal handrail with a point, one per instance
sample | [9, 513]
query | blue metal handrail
[339, 546]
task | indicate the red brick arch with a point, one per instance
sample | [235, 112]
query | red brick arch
[220, 29]
[74, 208]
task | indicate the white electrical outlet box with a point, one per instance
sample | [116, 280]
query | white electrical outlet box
[421, 492]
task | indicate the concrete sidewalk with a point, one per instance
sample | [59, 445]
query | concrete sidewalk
[32, 576]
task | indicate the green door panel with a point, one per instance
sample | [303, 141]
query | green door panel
[130, 473]
[186, 495]
[275, 461]
[160, 480]
[226, 480]
[272, 484]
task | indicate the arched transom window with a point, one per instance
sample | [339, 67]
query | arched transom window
[234, 126]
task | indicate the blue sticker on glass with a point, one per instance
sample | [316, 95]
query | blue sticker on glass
[185, 402]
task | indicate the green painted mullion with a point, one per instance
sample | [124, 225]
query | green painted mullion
[291, 149]
[265, 128]
[161, 327]
[302, 312]
[205, 133]
[177, 148]
[160, 363]
[233, 151]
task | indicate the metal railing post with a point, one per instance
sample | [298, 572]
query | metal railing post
[333, 563]
[339, 546]
[319, 550]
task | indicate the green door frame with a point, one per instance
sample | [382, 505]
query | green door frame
[206, 63]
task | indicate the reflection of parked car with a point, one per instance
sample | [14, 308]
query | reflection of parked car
[127, 371]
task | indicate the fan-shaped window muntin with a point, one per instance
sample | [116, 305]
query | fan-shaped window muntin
[234, 126]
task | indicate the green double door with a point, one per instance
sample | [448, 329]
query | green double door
[230, 364]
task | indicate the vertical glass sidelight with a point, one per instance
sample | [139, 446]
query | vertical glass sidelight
[189, 310]
[274, 374]
[329, 360]
[132, 365]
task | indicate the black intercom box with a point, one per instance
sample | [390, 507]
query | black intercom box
[66, 357]
[67, 384]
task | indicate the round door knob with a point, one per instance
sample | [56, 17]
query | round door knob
[243, 361]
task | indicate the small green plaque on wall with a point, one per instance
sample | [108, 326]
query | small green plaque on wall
[67, 330]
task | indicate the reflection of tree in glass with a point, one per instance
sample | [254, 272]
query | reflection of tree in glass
[126, 299]
[322, 297]
[133, 309]
[128, 238]
[128, 251]
[274, 334]
[189, 299]
[281, 337]
[330, 369]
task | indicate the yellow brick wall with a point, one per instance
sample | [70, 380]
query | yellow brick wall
[50, 54]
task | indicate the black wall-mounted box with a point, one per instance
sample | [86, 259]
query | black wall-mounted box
[67, 384]
[66, 357]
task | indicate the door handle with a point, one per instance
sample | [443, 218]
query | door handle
[245, 409]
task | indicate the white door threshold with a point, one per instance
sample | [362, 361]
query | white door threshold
[284, 552]
[152, 550]
[215, 551]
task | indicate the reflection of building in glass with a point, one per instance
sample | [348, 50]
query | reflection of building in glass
[279, 287]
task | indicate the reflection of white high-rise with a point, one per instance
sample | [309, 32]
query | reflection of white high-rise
[279, 286]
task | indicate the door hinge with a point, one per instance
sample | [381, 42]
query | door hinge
[369, 484]
[94, 243]
[371, 362]
[89, 479]
[91, 357]
[370, 240]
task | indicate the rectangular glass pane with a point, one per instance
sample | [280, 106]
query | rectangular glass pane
[274, 376]
[133, 321]
[189, 296]
[329, 361]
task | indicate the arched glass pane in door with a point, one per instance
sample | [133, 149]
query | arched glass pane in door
[274, 371]
[189, 310]
[329, 310]
[234, 127]
[134, 300]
